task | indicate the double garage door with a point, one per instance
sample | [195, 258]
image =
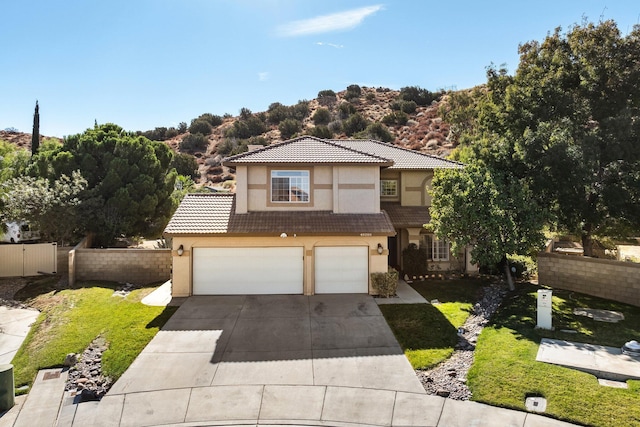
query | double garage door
[278, 270]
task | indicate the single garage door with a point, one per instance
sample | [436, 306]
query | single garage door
[342, 269]
[240, 271]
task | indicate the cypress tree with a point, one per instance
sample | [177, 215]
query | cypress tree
[35, 135]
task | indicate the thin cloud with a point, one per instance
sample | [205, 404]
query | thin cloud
[263, 76]
[337, 46]
[346, 20]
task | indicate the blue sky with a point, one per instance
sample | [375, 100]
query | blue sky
[148, 63]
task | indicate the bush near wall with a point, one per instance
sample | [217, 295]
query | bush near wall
[385, 284]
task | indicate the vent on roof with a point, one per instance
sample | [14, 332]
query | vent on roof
[254, 147]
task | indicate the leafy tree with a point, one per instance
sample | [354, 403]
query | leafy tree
[322, 116]
[185, 165]
[404, 106]
[353, 92]
[491, 210]
[573, 110]
[200, 126]
[277, 113]
[52, 208]
[213, 119]
[246, 128]
[129, 180]
[13, 161]
[35, 135]
[245, 113]
[300, 110]
[182, 127]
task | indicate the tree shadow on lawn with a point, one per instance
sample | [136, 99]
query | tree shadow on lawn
[424, 333]
[518, 312]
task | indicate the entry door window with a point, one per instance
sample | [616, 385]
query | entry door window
[290, 186]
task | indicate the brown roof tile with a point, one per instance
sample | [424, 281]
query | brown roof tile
[210, 214]
[406, 216]
[307, 150]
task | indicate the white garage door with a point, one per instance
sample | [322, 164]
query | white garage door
[342, 269]
[239, 271]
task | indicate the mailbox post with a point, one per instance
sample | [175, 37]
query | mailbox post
[544, 309]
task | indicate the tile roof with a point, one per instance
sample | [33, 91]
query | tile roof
[211, 214]
[406, 216]
[202, 213]
[307, 150]
[403, 158]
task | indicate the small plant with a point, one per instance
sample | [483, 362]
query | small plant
[378, 131]
[200, 126]
[353, 92]
[397, 118]
[346, 110]
[385, 284]
[408, 107]
[327, 98]
[355, 123]
[289, 127]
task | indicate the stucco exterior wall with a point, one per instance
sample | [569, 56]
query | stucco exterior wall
[412, 188]
[183, 268]
[138, 266]
[614, 280]
[356, 189]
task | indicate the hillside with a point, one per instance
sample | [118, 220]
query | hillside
[351, 114]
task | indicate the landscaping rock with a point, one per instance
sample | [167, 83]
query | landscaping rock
[86, 380]
[449, 378]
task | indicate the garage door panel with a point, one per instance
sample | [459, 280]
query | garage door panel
[239, 271]
[341, 269]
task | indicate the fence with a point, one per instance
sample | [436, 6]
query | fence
[28, 259]
[614, 280]
[139, 266]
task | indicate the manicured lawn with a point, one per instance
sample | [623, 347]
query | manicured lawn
[428, 333]
[70, 319]
[505, 371]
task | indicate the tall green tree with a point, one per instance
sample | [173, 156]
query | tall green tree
[491, 210]
[35, 134]
[129, 179]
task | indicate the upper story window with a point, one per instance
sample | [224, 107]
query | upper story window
[290, 186]
[389, 187]
[437, 250]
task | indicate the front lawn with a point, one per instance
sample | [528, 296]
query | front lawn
[505, 371]
[70, 319]
[428, 333]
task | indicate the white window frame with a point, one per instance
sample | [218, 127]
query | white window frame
[387, 184]
[300, 179]
[438, 250]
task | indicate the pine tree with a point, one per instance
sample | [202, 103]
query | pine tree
[35, 135]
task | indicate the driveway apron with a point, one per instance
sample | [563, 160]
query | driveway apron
[321, 358]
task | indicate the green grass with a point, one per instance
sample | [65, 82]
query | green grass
[505, 371]
[428, 333]
[70, 319]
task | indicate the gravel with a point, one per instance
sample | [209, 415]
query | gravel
[449, 379]
[85, 377]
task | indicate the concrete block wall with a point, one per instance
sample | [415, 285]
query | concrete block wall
[138, 266]
[614, 280]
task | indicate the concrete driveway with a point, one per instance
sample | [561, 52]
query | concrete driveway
[251, 359]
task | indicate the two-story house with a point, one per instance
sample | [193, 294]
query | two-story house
[309, 216]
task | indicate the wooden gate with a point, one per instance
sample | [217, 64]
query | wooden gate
[20, 260]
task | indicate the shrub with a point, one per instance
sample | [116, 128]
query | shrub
[414, 260]
[244, 129]
[322, 116]
[172, 133]
[327, 98]
[185, 164]
[335, 126]
[526, 267]
[277, 113]
[226, 146]
[418, 95]
[353, 92]
[182, 127]
[379, 131]
[212, 119]
[245, 113]
[321, 132]
[289, 127]
[300, 110]
[200, 126]
[385, 284]
[355, 123]
[194, 142]
[404, 106]
[396, 118]
[345, 110]
[370, 96]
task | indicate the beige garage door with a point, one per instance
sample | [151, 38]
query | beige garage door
[341, 270]
[242, 271]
